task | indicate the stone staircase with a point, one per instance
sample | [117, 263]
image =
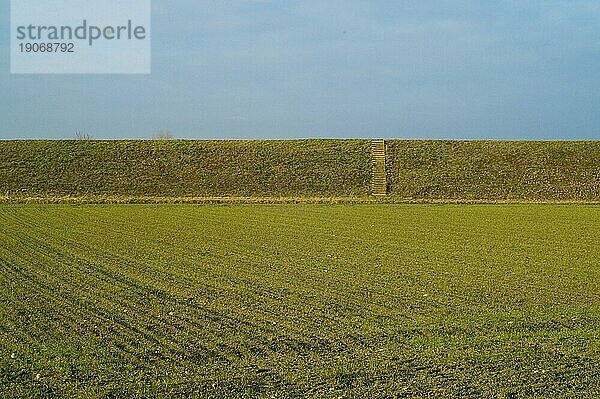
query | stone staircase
[379, 182]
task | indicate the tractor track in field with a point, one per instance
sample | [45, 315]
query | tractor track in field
[67, 292]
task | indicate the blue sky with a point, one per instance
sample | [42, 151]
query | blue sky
[335, 68]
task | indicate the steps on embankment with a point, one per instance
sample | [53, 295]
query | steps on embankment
[379, 180]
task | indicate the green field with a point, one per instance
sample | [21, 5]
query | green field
[299, 301]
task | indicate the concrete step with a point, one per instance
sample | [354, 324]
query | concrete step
[379, 179]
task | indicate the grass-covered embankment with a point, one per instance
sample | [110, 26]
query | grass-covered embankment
[182, 168]
[494, 170]
[297, 171]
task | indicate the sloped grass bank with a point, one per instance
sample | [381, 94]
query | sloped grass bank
[180, 168]
[252, 171]
[494, 170]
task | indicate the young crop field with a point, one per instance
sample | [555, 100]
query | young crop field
[281, 301]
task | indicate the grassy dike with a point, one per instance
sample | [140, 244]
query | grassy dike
[182, 168]
[513, 171]
[322, 171]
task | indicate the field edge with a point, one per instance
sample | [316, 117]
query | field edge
[93, 199]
